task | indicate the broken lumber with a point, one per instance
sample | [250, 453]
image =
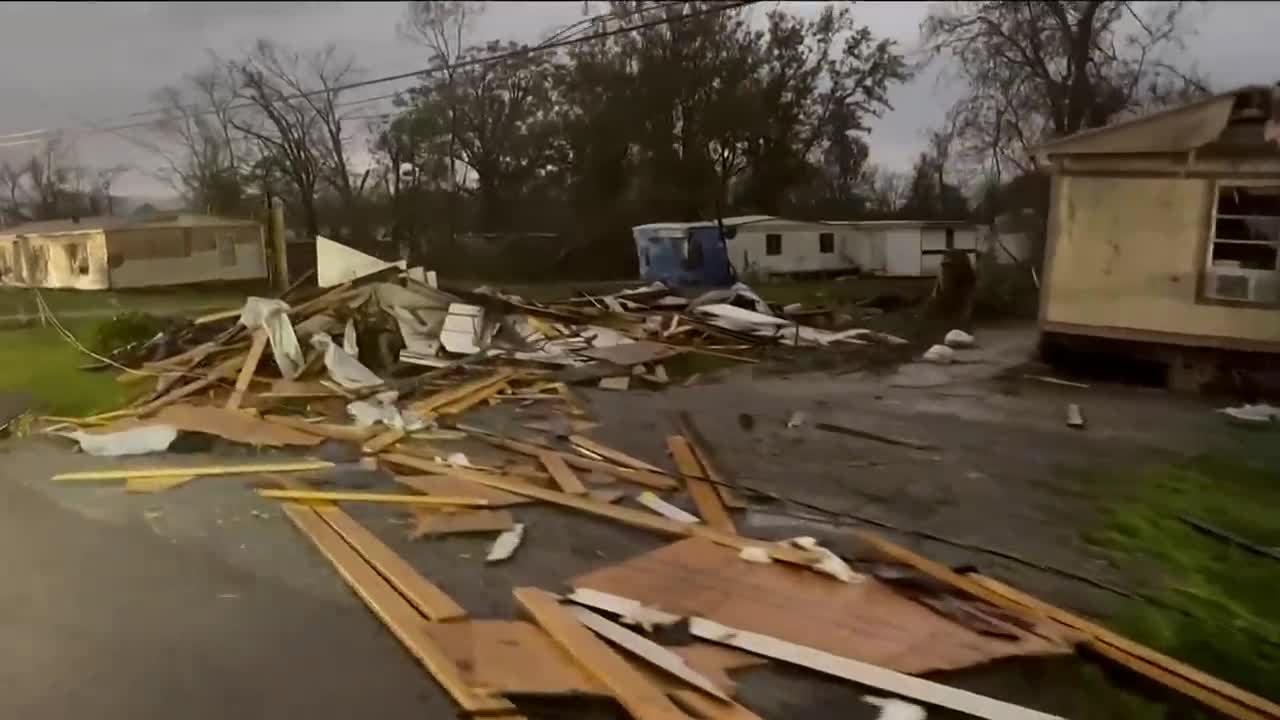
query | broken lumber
[633, 691]
[648, 650]
[449, 483]
[477, 390]
[401, 618]
[1207, 689]
[381, 442]
[562, 474]
[351, 496]
[637, 518]
[199, 471]
[666, 509]
[897, 683]
[609, 453]
[430, 600]
[703, 493]
[350, 433]
[648, 479]
[702, 451]
[248, 369]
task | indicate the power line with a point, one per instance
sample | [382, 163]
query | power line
[431, 70]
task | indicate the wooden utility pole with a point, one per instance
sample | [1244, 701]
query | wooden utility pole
[275, 229]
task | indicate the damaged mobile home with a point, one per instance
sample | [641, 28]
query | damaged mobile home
[1164, 234]
[98, 253]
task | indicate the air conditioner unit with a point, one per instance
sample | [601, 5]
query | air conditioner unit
[1259, 286]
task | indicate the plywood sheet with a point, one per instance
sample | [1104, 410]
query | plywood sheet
[865, 621]
[437, 522]
[233, 425]
[511, 658]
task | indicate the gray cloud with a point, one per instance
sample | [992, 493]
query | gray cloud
[60, 69]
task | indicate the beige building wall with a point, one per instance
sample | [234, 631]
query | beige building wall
[1127, 254]
[141, 257]
[71, 261]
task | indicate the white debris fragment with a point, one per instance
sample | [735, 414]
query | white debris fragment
[755, 554]
[797, 419]
[349, 343]
[940, 354]
[1075, 418]
[1259, 413]
[272, 316]
[134, 441]
[459, 459]
[830, 563]
[629, 612]
[463, 329]
[344, 369]
[895, 709]
[505, 546]
[958, 339]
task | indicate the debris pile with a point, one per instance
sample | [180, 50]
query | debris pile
[660, 633]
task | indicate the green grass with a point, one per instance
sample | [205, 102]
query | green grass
[39, 362]
[1235, 631]
[21, 301]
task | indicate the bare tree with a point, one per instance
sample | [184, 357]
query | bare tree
[48, 173]
[12, 179]
[1048, 69]
[441, 26]
[104, 179]
[203, 152]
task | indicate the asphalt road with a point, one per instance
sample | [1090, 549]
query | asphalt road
[114, 621]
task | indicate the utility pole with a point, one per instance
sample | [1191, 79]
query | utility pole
[275, 229]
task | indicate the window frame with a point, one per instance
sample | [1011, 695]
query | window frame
[1209, 238]
[826, 243]
[769, 240]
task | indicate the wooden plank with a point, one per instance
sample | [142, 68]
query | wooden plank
[666, 509]
[896, 683]
[633, 691]
[460, 392]
[248, 369]
[447, 483]
[637, 518]
[512, 657]
[156, 484]
[199, 471]
[560, 472]
[395, 612]
[609, 453]
[234, 425]
[435, 522]
[702, 451]
[350, 433]
[639, 477]
[352, 496]
[1221, 696]
[382, 441]
[430, 600]
[703, 493]
[222, 370]
[648, 650]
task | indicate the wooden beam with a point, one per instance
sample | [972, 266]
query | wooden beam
[221, 371]
[702, 451]
[350, 496]
[198, 471]
[464, 391]
[560, 472]
[629, 516]
[641, 698]
[609, 453]
[1217, 694]
[648, 650]
[248, 369]
[639, 477]
[703, 493]
[430, 600]
[395, 612]
[891, 681]
[382, 441]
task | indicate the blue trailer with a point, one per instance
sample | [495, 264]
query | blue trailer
[684, 254]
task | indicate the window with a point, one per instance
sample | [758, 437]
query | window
[693, 252]
[826, 243]
[773, 244]
[951, 238]
[1244, 248]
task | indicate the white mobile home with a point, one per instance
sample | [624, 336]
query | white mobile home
[97, 253]
[768, 245]
[906, 247]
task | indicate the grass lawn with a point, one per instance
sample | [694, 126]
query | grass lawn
[1231, 592]
[39, 362]
[21, 301]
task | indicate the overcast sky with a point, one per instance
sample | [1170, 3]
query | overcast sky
[66, 64]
